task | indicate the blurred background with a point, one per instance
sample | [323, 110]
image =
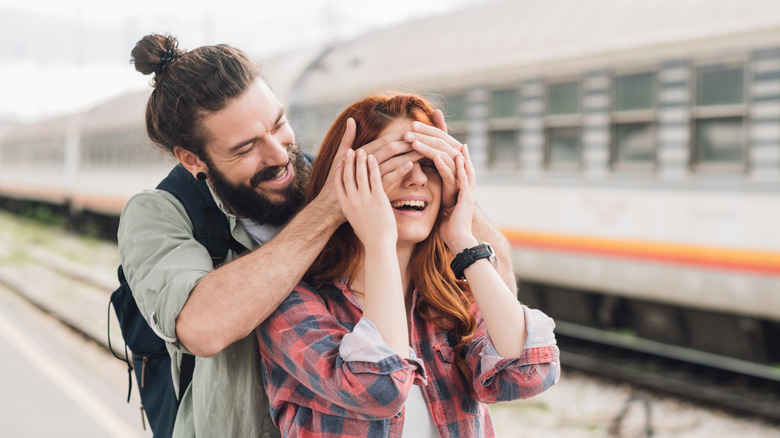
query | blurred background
[57, 56]
[629, 150]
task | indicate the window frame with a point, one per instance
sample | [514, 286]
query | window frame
[633, 116]
[571, 120]
[504, 123]
[698, 113]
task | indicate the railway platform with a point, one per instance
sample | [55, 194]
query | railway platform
[71, 277]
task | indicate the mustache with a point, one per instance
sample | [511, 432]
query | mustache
[266, 174]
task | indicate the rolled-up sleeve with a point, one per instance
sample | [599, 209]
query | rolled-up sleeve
[312, 359]
[161, 259]
[497, 378]
[364, 350]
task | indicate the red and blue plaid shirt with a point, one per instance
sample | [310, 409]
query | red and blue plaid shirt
[328, 373]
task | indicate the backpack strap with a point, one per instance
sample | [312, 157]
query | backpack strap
[211, 229]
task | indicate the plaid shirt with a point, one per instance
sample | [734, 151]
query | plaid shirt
[328, 373]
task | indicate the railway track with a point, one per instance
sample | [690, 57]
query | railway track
[738, 386]
[64, 275]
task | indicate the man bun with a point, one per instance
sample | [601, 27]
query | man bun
[154, 53]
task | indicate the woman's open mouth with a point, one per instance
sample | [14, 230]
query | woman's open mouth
[409, 205]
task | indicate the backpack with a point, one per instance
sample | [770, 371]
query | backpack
[151, 361]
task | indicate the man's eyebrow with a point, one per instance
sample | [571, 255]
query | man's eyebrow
[235, 148]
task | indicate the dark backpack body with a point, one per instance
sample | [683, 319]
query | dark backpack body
[151, 361]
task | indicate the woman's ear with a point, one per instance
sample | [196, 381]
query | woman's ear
[190, 161]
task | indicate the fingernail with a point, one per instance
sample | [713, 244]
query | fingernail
[350, 152]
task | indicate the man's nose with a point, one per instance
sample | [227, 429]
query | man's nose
[275, 153]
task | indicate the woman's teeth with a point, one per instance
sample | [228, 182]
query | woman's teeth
[417, 205]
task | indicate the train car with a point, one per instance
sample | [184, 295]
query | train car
[630, 151]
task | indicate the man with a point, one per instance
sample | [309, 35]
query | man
[212, 109]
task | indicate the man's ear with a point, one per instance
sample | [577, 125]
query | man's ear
[190, 161]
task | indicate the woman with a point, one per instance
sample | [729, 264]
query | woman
[381, 338]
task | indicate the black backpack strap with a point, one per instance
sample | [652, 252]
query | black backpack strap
[126, 359]
[210, 225]
[185, 373]
[211, 229]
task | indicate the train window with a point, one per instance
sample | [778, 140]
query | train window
[455, 108]
[719, 128]
[720, 140]
[563, 98]
[634, 92]
[563, 146]
[563, 132]
[42, 150]
[720, 85]
[504, 149]
[503, 103]
[633, 141]
[504, 129]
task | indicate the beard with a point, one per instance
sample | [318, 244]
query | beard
[245, 202]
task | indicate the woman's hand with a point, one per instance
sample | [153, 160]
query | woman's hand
[368, 210]
[363, 199]
[455, 225]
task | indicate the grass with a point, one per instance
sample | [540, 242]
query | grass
[18, 233]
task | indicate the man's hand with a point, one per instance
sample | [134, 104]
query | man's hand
[395, 158]
[432, 142]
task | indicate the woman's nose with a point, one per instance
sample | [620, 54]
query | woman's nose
[416, 176]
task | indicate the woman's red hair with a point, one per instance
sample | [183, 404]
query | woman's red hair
[441, 298]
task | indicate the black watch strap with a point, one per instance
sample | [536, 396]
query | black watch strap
[468, 256]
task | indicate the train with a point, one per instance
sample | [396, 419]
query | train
[629, 151]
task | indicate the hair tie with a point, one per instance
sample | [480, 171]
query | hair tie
[165, 60]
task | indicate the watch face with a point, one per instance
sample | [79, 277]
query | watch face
[492, 256]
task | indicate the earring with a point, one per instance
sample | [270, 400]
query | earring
[201, 176]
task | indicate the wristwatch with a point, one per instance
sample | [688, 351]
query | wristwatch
[468, 256]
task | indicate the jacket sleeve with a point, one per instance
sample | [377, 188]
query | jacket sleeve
[495, 378]
[312, 359]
